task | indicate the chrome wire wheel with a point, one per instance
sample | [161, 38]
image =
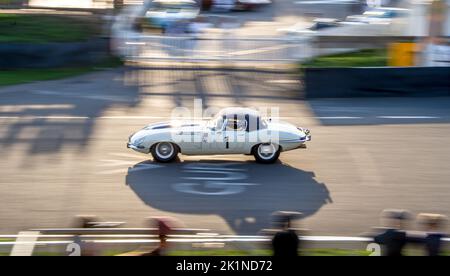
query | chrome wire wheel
[267, 151]
[164, 150]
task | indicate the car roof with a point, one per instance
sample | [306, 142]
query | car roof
[239, 111]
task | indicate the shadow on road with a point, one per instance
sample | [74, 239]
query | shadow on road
[243, 193]
[237, 85]
[45, 117]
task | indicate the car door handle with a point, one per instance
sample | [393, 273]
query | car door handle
[227, 143]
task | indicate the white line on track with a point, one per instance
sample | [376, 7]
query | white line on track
[126, 155]
[333, 2]
[86, 96]
[282, 81]
[117, 171]
[408, 117]
[44, 117]
[339, 118]
[113, 163]
[24, 244]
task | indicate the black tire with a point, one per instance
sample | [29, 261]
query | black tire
[269, 158]
[164, 152]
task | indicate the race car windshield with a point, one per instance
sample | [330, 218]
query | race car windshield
[215, 123]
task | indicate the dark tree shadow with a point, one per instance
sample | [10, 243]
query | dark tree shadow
[243, 193]
[63, 115]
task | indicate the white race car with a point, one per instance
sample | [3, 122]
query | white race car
[231, 131]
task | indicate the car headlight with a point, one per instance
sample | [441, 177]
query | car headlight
[304, 130]
[139, 141]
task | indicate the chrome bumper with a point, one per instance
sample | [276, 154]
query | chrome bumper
[131, 146]
[140, 149]
[307, 133]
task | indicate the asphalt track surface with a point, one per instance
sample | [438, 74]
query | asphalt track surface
[63, 153]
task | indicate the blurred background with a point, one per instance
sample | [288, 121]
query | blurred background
[371, 79]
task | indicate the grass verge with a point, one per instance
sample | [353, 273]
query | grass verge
[363, 58]
[304, 252]
[20, 76]
[29, 28]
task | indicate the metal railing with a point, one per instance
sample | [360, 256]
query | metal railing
[219, 49]
[141, 236]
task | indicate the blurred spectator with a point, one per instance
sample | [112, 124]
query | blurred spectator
[433, 224]
[85, 221]
[165, 226]
[286, 242]
[394, 237]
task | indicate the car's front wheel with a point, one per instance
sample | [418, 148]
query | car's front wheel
[266, 153]
[164, 152]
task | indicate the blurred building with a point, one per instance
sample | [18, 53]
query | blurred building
[430, 20]
[428, 17]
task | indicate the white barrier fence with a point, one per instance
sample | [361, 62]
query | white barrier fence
[206, 49]
[221, 45]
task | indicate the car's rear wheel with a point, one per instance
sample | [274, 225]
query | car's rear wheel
[266, 153]
[164, 152]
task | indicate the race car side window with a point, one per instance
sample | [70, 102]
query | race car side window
[236, 124]
[254, 123]
[241, 125]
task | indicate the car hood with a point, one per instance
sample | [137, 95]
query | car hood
[282, 126]
[286, 130]
[175, 125]
[166, 128]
